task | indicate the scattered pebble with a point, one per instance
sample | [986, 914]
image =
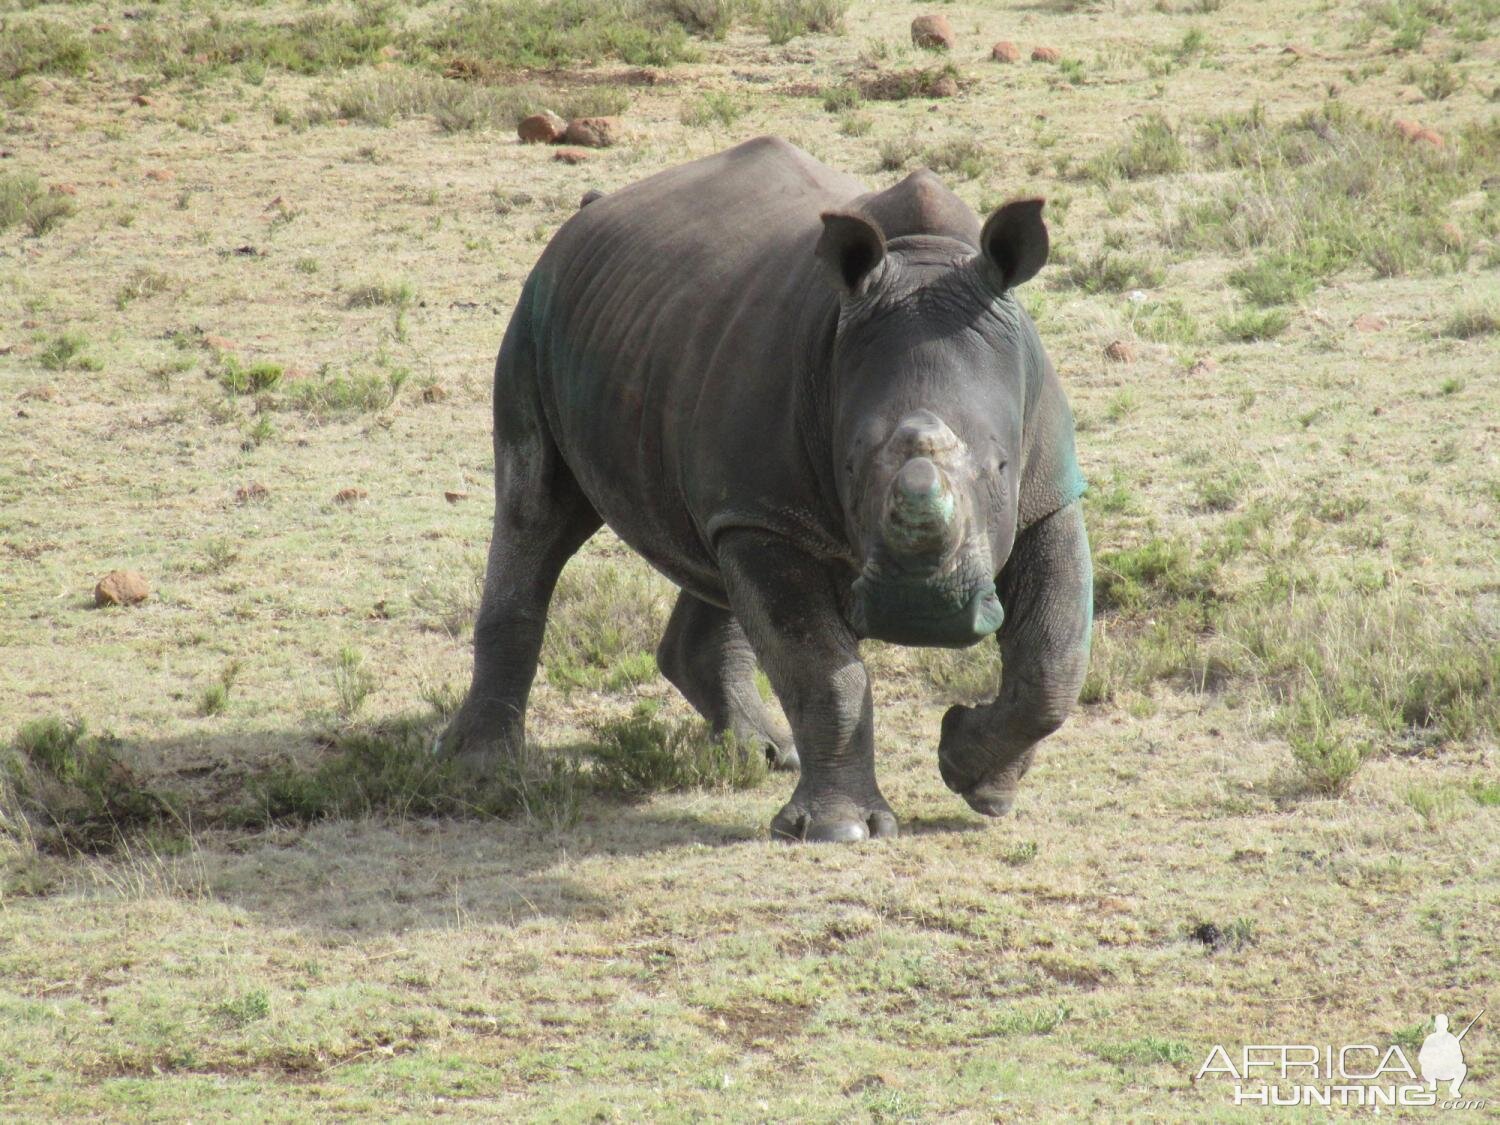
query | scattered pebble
[1046, 54]
[933, 32]
[1005, 51]
[349, 495]
[455, 497]
[435, 393]
[161, 175]
[122, 587]
[570, 155]
[1120, 351]
[1369, 322]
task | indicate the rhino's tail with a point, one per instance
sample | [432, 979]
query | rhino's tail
[589, 197]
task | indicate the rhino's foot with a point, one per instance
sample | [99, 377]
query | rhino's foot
[760, 735]
[838, 821]
[477, 744]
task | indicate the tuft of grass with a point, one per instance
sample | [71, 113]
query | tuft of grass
[489, 39]
[1164, 322]
[1249, 325]
[643, 753]
[142, 282]
[63, 789]
[1042, 1020]
[962, 156]
[40, 46]
[603, 627]
[1112, 271]
[215, 697]
[241, 379]
[1433, 804]
[352, 682]
[785, 20]
[23, 200]
[1159, 573]
[67, 351]
[1470, 322]
[841, 98]
[965, 675]
[371, 294]
[1154, 149]
[244, 1009]
[1147, 1050]
[1277, 279]
[713, 107]
[389, 770]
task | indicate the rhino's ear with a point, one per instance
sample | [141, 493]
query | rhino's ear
[851, 249]
[1015, 242]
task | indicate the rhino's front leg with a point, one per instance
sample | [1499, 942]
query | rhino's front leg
[787, 602]
[1048, 596]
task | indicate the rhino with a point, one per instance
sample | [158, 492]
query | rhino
[822, 414]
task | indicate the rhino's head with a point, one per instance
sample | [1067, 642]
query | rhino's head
[929, 386]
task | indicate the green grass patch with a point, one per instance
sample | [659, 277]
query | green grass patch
[712, 108]
[1249, 325]
[67, 351]
[23, 200]
[644, 753]
[1471, 322]
[1114, 271]
[603, 625]
[1154, 148]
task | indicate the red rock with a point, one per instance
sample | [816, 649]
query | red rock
[933, 32]
[219, 344]
[455, 497]
[1408, 129]
[1046, 54]
[64, 189]
[141, 99]
[543, 128]
[122, 587]
[1120, 351]
[1294, 50]
[1005, 51]
[570, 155]
[251, 493]
[349, 495]
[1368, 322]
[593, 132]
[1429, 137]
[161, 175]
[945, 87]
[434, 393]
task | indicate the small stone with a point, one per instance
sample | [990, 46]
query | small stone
[570, 155]
[1046, 54]
[349, 495]
[454, 497]
[1408, 129]
[435, 393]
[251, 493]
[1207, 365]
[933, 32]
[64, 189]
[122, 587]
[219, 343]
[1120, 351]
[161, 175]
[1429, 137]
[141, 99]
[1294, 50]
[593, 132]
[1005, 51]
[1368, 322]
[545, 128]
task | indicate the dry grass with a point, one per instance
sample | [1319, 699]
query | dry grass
[242, 888]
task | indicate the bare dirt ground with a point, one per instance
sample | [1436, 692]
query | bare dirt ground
[1294, 490]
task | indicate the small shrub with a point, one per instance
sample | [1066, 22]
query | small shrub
[1111, 271]
[142, 282]
[352, 682]
[644, 754]
[396, 294]
[1027, 1021]
[41, 47]
[959, 155]
[841, 98]
[712, 107]
[1470, 322]
[1147, 1050]
[1154, 149]
[785, 20]
[244, 1009]
[215, 697]
[1278, 279]
[1255, 324]
[487, 40]
[1433, 805]
[350, 392]
[1160, 572]
[66, 351]
[896, 153]
[239, 379]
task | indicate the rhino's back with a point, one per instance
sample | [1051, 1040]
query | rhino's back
[672, 320]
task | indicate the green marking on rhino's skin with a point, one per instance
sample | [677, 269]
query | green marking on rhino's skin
[915, 522]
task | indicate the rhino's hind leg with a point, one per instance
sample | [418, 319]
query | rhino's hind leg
[542, 517]
[706, 656]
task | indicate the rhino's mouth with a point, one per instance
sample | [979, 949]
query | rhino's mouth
[950, 611]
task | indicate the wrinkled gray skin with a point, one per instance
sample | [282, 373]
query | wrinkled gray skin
[820, 413]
